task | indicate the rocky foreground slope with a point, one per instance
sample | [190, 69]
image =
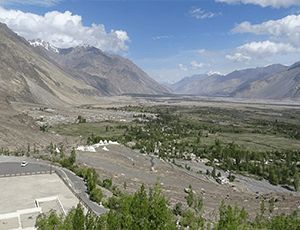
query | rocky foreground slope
[18, 131]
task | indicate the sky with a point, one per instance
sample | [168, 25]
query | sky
[167, 39]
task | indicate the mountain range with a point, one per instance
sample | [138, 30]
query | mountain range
[232, 84]
[111, 74]
[283, 85]
[36, 72]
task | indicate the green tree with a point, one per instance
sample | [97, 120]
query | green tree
[107, 183]
[126, 219]
[49, 221]
[160, 217]
[272, 205]
[79, 218]
[262, 207]
[177, 209]
[296, 181]
[232, 219]
[213, 173]
[284, 221]
[61, 150]
[190, 196]
[96, 195]
[28, 151]
[91, 179]
[273, 179]
[81, 119]
[90, 222]
[72, 157]
[198, 205]
[189, 219]
[231, 177]
[51, 148]
[140, 208]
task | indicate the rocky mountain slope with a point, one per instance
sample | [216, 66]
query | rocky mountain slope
[37, 72]
[111, 74]
[18, 131]
[26, 76]
[284, 85]
[224, 85]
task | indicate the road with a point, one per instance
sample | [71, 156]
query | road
[11, 166]
[15, 167]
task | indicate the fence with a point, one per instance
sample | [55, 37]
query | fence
[75, 193]
[27, 173]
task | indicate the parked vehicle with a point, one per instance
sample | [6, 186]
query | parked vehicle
[24, 163]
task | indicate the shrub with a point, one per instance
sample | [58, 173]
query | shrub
[231, 178]
[96, 195]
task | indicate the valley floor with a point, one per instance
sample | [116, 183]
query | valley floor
[125, 165]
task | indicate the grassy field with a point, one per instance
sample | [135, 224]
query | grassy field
[103, 129]
[242, 126]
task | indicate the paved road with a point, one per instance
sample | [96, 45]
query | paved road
[80, 188]
[10, 165]
[15, 168]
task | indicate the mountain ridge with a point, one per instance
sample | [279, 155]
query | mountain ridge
[111, 74]
[29, 74]
[224, 85]
[283, 85]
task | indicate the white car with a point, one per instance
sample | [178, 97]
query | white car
[24, 163]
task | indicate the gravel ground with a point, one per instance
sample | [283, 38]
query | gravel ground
[125, 165]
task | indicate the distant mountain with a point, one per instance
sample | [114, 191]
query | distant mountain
[111, 74]
[283, 85]
[224, 85]
[190, 85]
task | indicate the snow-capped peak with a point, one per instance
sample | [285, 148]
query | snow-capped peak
[209, 73]
[84, 46]
[46, 45]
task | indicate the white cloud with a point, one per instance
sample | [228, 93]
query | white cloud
[267, 49]
[265, 3]
[195, 65]
[285, 28]
[284, 38]
[261, 50]
[200, 52]
[63, 30]
[238, 57]
[161, 37]
[30, 2]
[202, 14]
[182, 67]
